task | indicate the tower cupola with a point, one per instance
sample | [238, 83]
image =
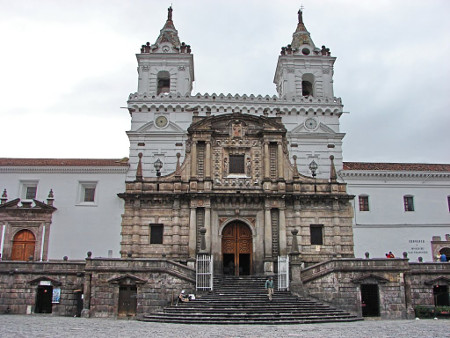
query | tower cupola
[303, 69]
[167, 66]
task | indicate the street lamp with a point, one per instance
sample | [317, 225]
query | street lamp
[158, 165]
[313, 167]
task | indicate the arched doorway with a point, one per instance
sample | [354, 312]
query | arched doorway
[237, 249]
[446, 252]
[23, 246]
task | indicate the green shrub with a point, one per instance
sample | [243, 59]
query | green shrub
[424, 311]
[430, 311]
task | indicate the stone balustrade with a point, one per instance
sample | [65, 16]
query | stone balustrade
[221, 103]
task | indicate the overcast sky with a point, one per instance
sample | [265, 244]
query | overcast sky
[67, 67]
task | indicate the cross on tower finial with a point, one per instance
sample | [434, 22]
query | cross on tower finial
[300, 14]
[169, 14]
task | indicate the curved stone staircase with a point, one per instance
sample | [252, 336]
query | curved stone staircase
[243, 300]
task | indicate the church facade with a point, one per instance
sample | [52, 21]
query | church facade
[244, 179]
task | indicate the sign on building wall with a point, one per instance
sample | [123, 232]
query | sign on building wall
[56, 295]
[417, 247]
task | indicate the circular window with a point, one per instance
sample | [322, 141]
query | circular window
[306, 51]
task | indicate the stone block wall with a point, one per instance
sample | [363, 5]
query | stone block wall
[158, 284]
[336, 218]
[19, 282]
[136, 221]
[338, 282]
[423, 277]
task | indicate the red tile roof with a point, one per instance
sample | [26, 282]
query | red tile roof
[62, 162]
[396, 166]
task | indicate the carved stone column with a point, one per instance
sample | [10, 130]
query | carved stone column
[266, 160]
[208, 161]
[280, 161]
[194, 159]
[192, 233]
[282, 232]
[208, 228]
[267, 233]
[295, 265]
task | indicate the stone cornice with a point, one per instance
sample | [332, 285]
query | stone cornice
[393, 174]
[63, 170]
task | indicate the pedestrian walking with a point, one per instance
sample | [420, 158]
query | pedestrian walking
[269, 287]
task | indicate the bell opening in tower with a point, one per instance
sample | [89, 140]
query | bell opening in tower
[163, 82]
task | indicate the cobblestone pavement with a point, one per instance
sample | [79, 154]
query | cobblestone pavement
[50, 326]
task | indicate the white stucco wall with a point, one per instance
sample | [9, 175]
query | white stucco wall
[76, 228]
[387, 226]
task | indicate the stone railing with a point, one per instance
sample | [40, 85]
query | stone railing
[197, 101]
[140, 265]
[37, 268]
[351, 264]
[430, 268]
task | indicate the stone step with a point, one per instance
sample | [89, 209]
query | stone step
[254, 321]
[243, 300]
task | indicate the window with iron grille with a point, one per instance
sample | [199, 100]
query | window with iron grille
[316, 231]
[408, 202]
[28, 189]
[156, 233]
[363, 203]
[30, 192]
[237, 165]
[87, 193]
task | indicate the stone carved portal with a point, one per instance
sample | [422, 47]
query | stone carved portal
[237, 249]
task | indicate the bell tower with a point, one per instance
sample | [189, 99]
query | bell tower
[167, 66]
[303, 69]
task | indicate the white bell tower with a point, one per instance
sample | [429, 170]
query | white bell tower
[303, 69]
[166, 66]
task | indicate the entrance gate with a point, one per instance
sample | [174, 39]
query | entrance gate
[237, 249]
[204, 272]
[283, 273]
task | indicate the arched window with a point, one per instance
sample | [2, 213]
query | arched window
[23, 246]
[308, 85]
[163, 82]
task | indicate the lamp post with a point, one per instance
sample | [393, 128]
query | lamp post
[313, 167]
[158, 165]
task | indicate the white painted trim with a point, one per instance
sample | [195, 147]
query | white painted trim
[2, 240]
[42, 242]
[62, 170]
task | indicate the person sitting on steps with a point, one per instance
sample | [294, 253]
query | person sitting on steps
[183, 297]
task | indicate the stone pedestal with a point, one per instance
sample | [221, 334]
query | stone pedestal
[268, 267]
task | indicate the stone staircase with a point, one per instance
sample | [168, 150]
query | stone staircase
[243, 300]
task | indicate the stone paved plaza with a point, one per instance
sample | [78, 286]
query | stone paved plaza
[50, 326]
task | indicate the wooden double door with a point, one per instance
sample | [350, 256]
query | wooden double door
[23, 246]
[237, 249]
[127, 300]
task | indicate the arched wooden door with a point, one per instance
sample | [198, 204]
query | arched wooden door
[237, 249]
[23, 246]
